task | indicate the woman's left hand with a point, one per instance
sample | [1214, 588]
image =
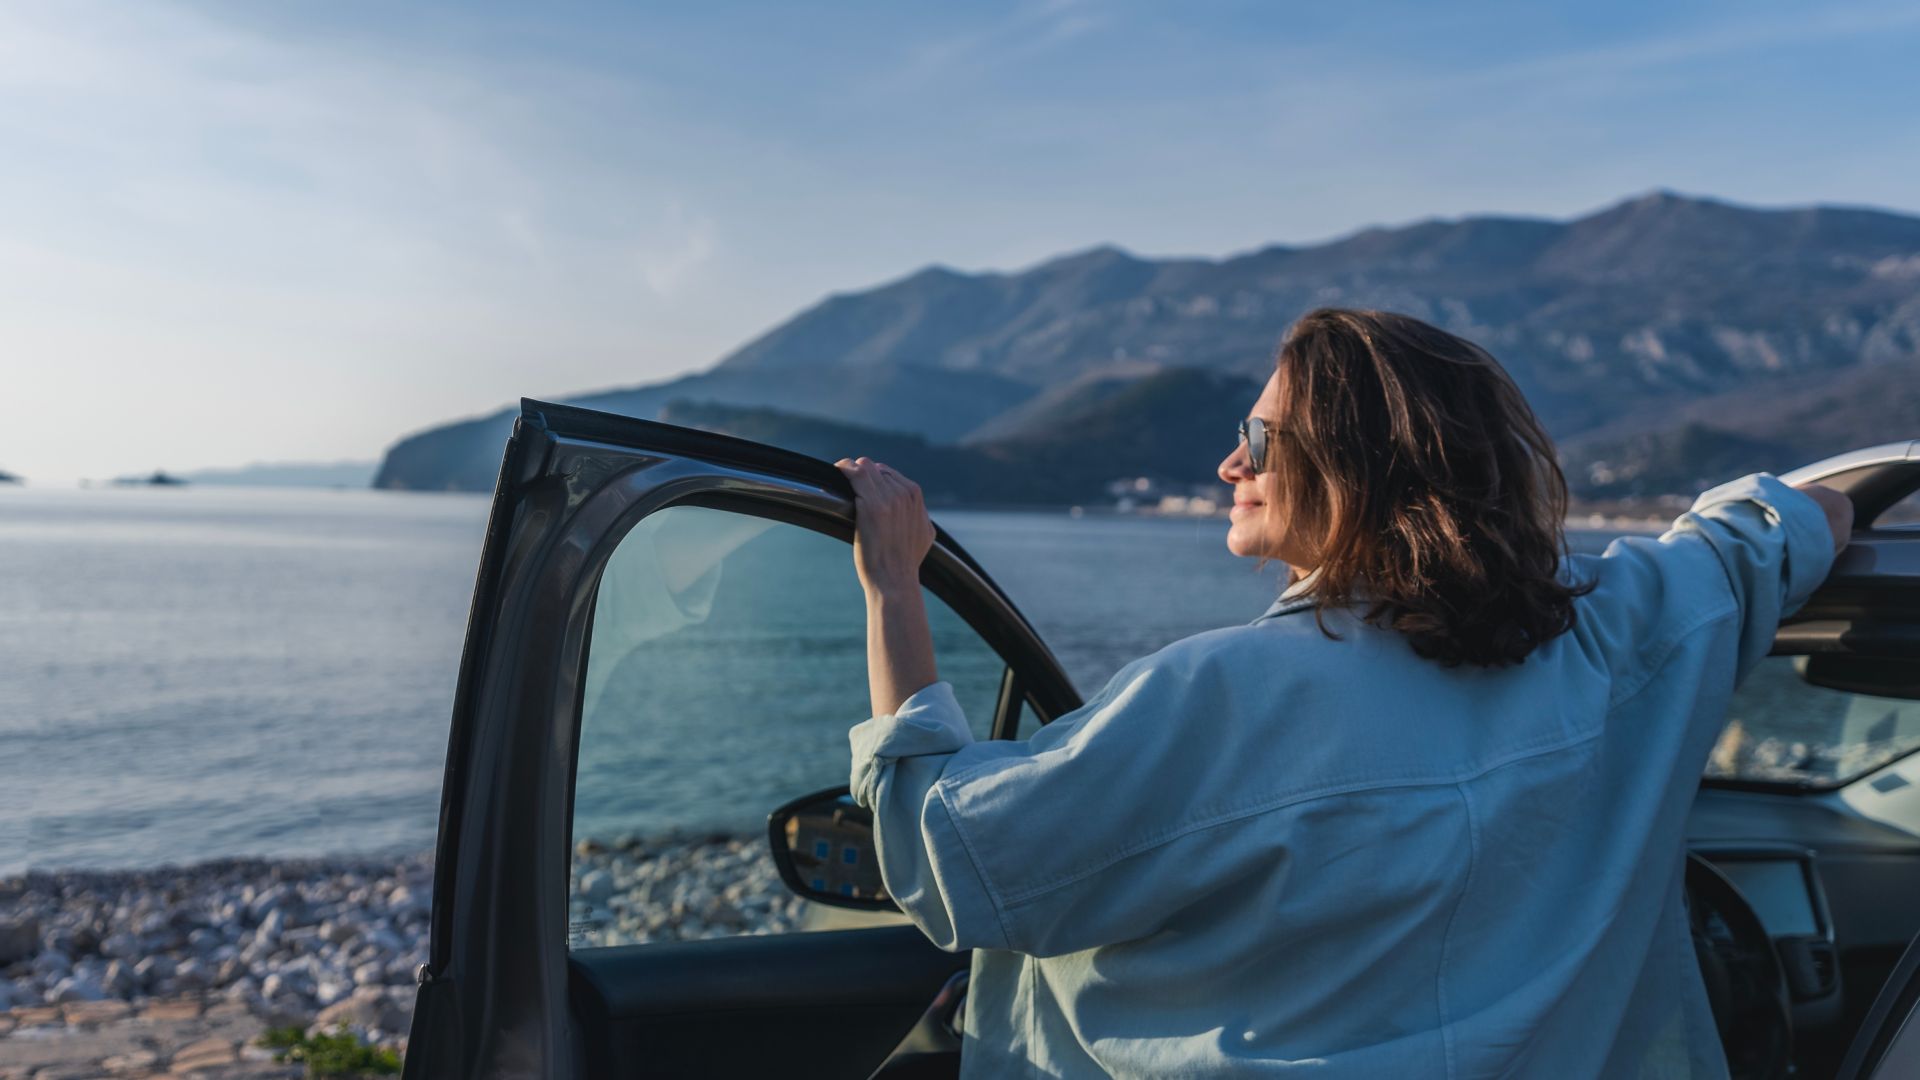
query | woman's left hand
[892, 532]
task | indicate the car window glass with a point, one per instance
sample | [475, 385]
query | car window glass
[726, 664]
[1029, 722]
[1781, 728]
[1906, 513]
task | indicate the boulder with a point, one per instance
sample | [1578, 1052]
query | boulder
[205, 1054]
[131, 1061]
[390, 934]
[596, 887]
[77, 988]
[328, 991]
[172, 1010]
[121, 946]
[51, 965]
[284, 1012]
[365, 1009]
[192, 974]
[267, 900]
[118, 980]
[257, 953]
[19, 939]
[301, 939]
[97, 1012]
[153, 969]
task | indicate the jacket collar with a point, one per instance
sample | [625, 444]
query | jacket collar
[1296, 597]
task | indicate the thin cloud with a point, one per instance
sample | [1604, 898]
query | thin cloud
[1731, 38]
[689, 246]
[1032, 29]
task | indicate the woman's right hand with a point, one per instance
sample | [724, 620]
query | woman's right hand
[1839, 510]
[892, 532]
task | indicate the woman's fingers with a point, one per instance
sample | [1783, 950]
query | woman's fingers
[884, 491]
[861, 474]
[891, 530]
[876, 479]
[894, 478]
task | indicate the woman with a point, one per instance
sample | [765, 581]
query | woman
[1421, 818]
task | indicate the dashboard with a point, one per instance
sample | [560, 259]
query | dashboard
[1782, 884]
[1832, 880]
[1783, 889]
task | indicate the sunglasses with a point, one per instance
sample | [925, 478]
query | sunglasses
[1253, 432]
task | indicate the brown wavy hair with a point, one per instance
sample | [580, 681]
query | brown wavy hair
[1433, 490]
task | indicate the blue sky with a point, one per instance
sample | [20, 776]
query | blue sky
[234, 232]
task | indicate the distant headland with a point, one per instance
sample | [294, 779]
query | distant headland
[1667, 342]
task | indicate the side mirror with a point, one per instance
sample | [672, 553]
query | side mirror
[823, 847]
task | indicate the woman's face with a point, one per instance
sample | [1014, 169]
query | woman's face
[1259, 517]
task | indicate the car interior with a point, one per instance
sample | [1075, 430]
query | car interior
[1804, 838]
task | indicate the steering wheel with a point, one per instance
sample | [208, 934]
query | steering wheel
[1745, 986]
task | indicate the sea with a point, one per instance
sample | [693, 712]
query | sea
[195, 673]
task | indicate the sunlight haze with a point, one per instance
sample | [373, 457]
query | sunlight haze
[234, 233]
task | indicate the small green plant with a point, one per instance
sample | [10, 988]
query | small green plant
[338, 1054]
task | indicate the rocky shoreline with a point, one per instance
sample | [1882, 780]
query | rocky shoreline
[314, 943]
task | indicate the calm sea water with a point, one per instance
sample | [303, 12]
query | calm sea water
[187, 674]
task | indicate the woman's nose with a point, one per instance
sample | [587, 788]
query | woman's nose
[1237, 467]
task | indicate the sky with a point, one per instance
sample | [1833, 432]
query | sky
[233, 232]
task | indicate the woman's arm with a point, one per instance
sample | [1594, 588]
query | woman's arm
[892, 535]
[1839, 511]
[899, 648]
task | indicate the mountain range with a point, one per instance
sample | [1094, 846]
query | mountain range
[1666, 342]
[334, 474]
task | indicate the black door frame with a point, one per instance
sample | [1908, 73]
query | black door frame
[493, 998]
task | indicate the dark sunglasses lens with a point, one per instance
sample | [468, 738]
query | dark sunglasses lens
[1255, 432]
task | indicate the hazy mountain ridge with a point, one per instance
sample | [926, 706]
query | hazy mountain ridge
[1619, 326]
[946, 474]
[465, 456]
[347, 474]
[1172, 427]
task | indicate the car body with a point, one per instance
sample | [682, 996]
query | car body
[517, 986]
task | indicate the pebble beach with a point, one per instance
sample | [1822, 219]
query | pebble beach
[178, 969]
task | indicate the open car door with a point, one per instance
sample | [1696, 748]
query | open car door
[1887, 1046]
[1869, 606]
[667, 643]
[1808, 806]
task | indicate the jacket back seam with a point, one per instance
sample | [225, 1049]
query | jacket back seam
[1031, 894]
[1446, 937]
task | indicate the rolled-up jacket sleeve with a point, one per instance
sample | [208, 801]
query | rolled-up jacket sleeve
[898, 760]
[1072, 838]
[1747, 555]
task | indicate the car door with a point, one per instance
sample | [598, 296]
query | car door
[1888, 1044]
[661, 646]
[1808, 803]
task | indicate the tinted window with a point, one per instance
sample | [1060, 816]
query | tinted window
[1906, 512]
[728, 660]
[1781, 728]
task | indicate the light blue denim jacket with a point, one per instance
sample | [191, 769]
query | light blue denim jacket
[1263, 851]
